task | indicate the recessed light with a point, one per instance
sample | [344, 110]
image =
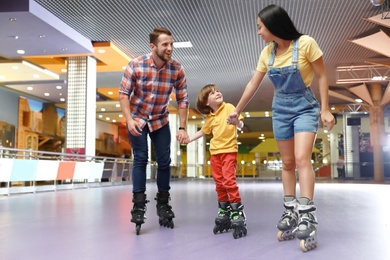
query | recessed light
[12, 19]
[64, 70]
[30, 88]
[102, 109]
[117, 105]
[108, 118]
[101, 51]
[42, 36]
[114, 121]
[124, 67]
[182, 44]
[58, 87]
[359, 100]
[100, 116]
[20, 51]
[62, 99]
[120, 115]
[46, 94]
[110, 92]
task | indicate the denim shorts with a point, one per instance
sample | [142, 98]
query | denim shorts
[293, 113]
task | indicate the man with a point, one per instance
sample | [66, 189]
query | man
[144, 97]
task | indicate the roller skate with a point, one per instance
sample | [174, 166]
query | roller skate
[288, 221]
[306, 231]
[223, 222]
[139, 210]
[164, 210]
[238, 220]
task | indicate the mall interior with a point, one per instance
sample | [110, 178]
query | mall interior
[66, 161]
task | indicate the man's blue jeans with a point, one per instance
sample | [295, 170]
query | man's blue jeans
[161, 140]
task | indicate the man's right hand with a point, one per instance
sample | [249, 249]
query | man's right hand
[134, 128]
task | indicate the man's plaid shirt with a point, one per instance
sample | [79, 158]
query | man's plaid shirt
[149, 90]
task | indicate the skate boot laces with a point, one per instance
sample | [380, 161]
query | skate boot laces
[307, 219]
[289, 214]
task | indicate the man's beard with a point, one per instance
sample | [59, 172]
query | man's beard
[162, 57]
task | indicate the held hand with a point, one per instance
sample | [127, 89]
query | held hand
[182, 137]
[232, 119]
[327, 120]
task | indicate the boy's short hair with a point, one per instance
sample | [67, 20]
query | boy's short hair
[202, 99]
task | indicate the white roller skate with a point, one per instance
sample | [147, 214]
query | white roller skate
[288, 221]
[306, 231]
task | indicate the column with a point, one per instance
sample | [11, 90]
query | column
[192, 154]
[377, 130]
[81, 106]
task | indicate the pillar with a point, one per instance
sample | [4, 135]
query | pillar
[192, 152]
[81, 106]
[377, 130]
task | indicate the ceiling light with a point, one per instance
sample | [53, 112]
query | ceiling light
[100, 116]
[42, 36]
[102, 109]
[124, 67]
[117, 105]
[101, 51]
[64, 70]
[120, 115]
[62, 99]
[114, 121]
[46, 94]
[2, 77]
[107, 118]
[359, 100]
[12, 19]
[332, 108]
[182, 44]
[58, 87]
[30, 88]
[110, 92]
[36, 76]
[14, 67]
[193, 117]
[20, 51]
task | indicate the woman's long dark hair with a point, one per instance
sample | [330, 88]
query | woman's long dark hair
[278, 22]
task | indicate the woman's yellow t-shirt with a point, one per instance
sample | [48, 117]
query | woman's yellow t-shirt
[308, 52]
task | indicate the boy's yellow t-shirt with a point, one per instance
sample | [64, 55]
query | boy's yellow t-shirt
[224, 138]
[308, 51]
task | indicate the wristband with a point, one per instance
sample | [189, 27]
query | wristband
[182, 128]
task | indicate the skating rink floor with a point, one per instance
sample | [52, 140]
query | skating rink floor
[94, 223]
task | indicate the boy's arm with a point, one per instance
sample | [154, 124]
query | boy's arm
[196, 136]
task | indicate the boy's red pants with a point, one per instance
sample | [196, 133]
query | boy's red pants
[223, 170]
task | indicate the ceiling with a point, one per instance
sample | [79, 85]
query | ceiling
[223, 33]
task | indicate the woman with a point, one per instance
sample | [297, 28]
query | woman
[290, 61]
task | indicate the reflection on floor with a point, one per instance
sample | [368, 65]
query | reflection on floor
[94, 224]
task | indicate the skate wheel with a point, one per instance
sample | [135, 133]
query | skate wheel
[280, 233]
[303, 246]
[245, 231]
[171, 224]
[235, 234]
[215, 230]
[137, 229]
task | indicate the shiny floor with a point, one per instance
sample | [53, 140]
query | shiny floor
[94, 224]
